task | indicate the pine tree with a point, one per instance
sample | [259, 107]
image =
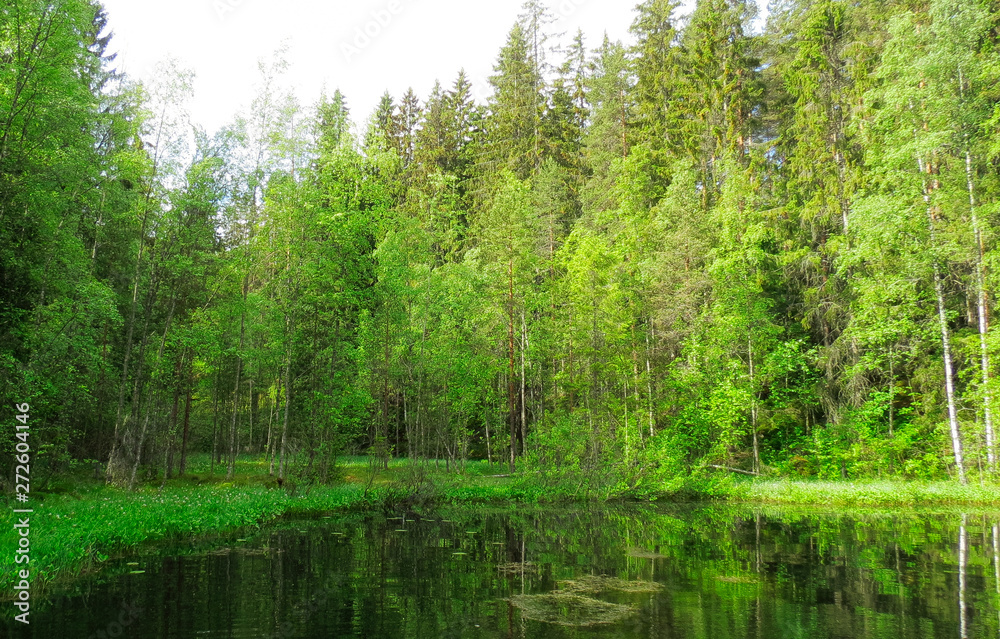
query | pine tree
[721, 87]
[512, 134]
[405, 126]
[658, 70]
[607, 138]
[380, 135]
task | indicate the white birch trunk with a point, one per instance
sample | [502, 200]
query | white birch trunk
[983, 320]
[949, 382]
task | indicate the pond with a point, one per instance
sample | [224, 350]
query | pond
[711, 571]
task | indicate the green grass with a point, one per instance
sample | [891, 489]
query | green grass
[878, 493]
[74, 533]
[71, 535]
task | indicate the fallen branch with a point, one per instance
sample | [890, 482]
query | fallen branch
[735, 470]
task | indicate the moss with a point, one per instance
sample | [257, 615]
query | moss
[594, 584]
[738, 579]
[517, 568]
[568, 609]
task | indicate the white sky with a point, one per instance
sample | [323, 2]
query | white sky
[422, 40]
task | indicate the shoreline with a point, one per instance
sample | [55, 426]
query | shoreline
[76, 534]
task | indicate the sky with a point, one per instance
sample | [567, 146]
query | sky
[362, 47]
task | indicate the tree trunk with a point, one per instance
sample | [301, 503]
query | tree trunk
[138, 448]
[983, 320]
[117, 464]
[231, 457]
[215, 424]
[187, 421]
[129, 338]
[524, 399]
[625, 400]
[269, 447]
[649, 380]
[753, 412]
[250, 414]
[510, 374]
[113, 462]
[386, 355]
[486, 421]
[288, 402]
[174, 410]
[145, 422]
[956, 434]
[231, 467]
[892, 393]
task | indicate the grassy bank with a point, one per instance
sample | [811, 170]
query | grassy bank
[80, 522]
[71, 534]
[875, 493]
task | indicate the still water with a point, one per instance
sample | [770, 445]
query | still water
[716, 572]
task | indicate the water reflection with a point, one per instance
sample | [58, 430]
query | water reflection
[700, 572]
[996, 568]
[962, 562]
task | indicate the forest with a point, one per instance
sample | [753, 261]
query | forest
[732, 246]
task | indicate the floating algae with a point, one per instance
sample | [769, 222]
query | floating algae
[566, 609]
[601, 583]
[517, 567]
[642, 553]
[239, 550]
[738, 579]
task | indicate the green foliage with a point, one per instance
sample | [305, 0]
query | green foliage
[717, 251]
[883, 494]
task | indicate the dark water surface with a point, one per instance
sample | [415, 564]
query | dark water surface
[716, 572]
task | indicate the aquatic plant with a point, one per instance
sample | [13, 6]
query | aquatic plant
[595, 584]
[568, 609]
